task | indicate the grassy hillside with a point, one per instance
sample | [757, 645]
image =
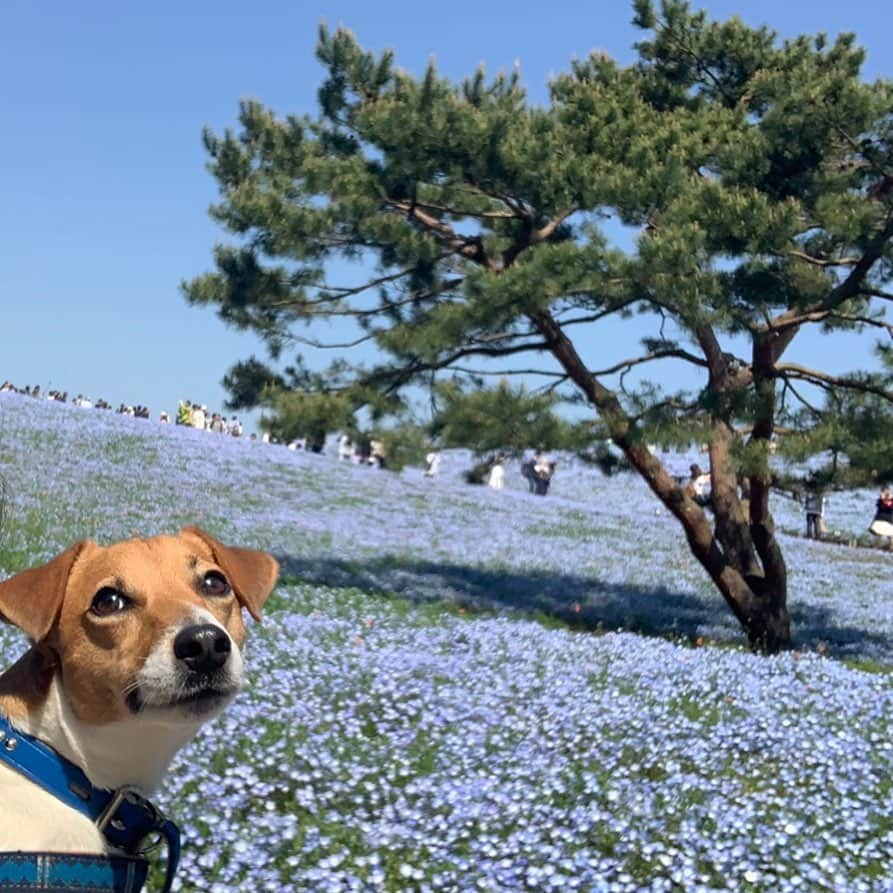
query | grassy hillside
[417, 720]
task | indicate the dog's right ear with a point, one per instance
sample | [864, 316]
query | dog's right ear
[32, 599]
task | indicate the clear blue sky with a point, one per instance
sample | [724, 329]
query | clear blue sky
[103, 187]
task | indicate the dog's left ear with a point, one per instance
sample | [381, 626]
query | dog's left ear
[251, 573]
[32, 599]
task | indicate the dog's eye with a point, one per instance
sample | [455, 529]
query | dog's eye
[108, 601]
[214, 583]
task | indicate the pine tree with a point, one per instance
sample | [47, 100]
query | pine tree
[757, 174]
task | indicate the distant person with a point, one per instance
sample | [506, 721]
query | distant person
[164, 418]
[184, 413]
[197, 417]
[882, 525]
[527, 473]
[234, 428]
[432, 463]
[528, 470]
[815, 512]
[496, 479]
[377, 454]
[543, 473]
[345, 448]
[698, 487]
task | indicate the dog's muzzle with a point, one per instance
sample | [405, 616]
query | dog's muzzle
[196, 673]
[203, 648]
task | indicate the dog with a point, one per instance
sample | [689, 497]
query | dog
[133, 647]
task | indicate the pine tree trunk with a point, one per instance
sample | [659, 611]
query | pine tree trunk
[742, 556]
[752, 578]
[767, 623]
[758, 601]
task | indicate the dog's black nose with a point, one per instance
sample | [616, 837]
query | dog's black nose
[203, 648]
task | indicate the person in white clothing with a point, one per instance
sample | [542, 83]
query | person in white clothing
[497, 473]
[699, 487]
[433, 464]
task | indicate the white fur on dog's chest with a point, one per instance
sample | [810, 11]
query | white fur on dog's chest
[36, 820]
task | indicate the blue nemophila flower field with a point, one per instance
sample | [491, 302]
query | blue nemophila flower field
[416, 720]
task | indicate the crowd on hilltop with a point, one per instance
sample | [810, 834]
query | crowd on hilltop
[137, 411]
[194, 415]
[537, 468]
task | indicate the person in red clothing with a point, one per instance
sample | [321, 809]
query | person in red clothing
[882, 525]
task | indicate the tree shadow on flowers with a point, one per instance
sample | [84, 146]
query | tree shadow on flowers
[580, 601]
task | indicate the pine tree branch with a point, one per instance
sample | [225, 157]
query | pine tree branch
[495, 336]
[548, 229]
[322, 345]
[877, 293]
[682, 409]
[339, 292]
[864, 321]
[552, 386]
[461, 212]
[775, 325]
[355, 312]
[800, 399]
[884, 175]
[727, 372]
[516, 206]
[830, 382]
[471, 248]
[626, 365]
[394, 379]
[533, 237]
[503, 372]
[685, 49]
[594, 317]
[483, 351]
[824, 262]
[850, 287]
[785, 326]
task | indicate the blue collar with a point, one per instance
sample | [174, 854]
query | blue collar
[124, 816]
[71, 873]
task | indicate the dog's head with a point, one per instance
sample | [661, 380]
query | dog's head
[145, 626]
